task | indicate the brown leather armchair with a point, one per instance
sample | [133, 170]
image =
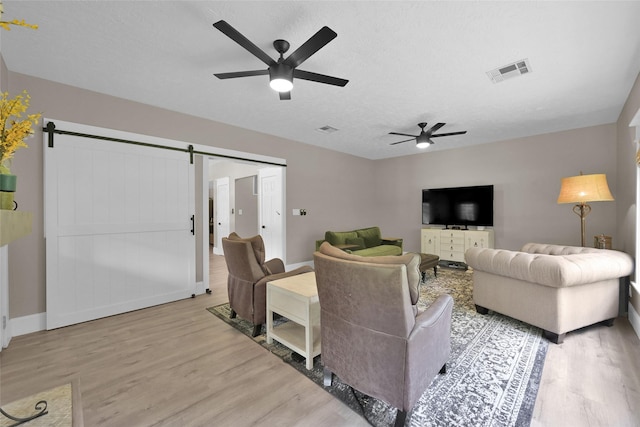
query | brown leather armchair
[373, 336]
[248, 277]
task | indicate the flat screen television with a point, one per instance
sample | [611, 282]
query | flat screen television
[459, 206]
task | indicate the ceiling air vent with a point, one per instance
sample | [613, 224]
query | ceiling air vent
[327, 129]
[508, 71]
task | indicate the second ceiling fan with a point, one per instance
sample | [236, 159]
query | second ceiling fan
[282, 72]
[424, 139]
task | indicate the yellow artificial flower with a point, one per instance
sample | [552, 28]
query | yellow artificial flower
[14, 131]
[20, 23]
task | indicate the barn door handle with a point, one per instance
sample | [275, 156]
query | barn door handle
[193, 225]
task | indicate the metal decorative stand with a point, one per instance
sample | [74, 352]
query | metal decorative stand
[41, 407]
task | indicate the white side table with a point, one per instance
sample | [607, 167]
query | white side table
[295, 298]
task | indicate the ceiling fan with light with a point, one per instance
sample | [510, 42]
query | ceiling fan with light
[283, 71]
[424, 139]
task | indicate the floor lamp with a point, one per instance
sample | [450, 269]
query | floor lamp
[582, 189]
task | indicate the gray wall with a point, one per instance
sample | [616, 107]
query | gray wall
[339, 191]
[526, 175]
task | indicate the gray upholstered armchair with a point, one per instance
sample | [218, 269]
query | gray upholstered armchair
[248, 277]
[373, 336]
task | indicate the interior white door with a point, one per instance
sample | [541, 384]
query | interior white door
[118, 228]
[271, 211]
[223, 227]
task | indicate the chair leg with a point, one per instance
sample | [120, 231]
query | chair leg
[256, 330]
[481, 310]
[443, 370]
[327, 377]
[435, 270]
[553, 337]
[608, 322]
[233, 314]
[401, 416]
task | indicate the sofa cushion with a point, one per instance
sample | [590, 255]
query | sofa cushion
[358, 241]
[372, 236]
[381, 250]
[339, 237]
[410, 260]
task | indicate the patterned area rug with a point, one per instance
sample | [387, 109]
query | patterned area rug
[492, 376]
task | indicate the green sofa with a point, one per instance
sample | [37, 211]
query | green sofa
[363, 242]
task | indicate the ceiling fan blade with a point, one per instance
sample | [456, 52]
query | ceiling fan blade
[402, 134]
[449, 134]
[311, 46]
[435, 128]
[285, 96]
[234, 35]
[241, 74]
[400, 142]
[320, 78]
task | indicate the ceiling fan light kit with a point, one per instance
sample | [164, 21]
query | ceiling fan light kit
[423, 144]
[281, 78]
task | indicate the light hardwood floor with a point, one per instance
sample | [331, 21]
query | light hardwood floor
[178, 365]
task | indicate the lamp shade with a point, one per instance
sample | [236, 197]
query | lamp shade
[585, 188]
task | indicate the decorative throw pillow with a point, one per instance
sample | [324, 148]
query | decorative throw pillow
[372, 236]
[410, 260]
[359, 241]
[339, 237]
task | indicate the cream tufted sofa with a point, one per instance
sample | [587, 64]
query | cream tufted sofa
[557, 288]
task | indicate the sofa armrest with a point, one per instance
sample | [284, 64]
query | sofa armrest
[439, 311]
[392, 241]
[318, 243]
[429, 344]
[272, 277]
[274, 266]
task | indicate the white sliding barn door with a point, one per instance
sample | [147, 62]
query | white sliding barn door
[117, 226]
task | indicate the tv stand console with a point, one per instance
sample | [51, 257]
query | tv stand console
[450, 245]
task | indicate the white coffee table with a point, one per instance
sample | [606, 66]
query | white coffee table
[295, 298]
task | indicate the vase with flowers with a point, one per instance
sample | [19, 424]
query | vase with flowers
[15, 127]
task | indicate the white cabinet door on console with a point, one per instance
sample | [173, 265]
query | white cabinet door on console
[430, 241]
[478, 239]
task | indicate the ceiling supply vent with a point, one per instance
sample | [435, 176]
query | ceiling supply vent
[508, 71]
[327, 129]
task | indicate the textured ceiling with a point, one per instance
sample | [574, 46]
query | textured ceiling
[406, 62]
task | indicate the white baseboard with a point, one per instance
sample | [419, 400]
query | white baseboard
[28, 324]
[634, 319]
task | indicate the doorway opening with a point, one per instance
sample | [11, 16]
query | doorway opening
[245, 197]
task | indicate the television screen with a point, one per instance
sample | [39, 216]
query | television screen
[459, 206]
